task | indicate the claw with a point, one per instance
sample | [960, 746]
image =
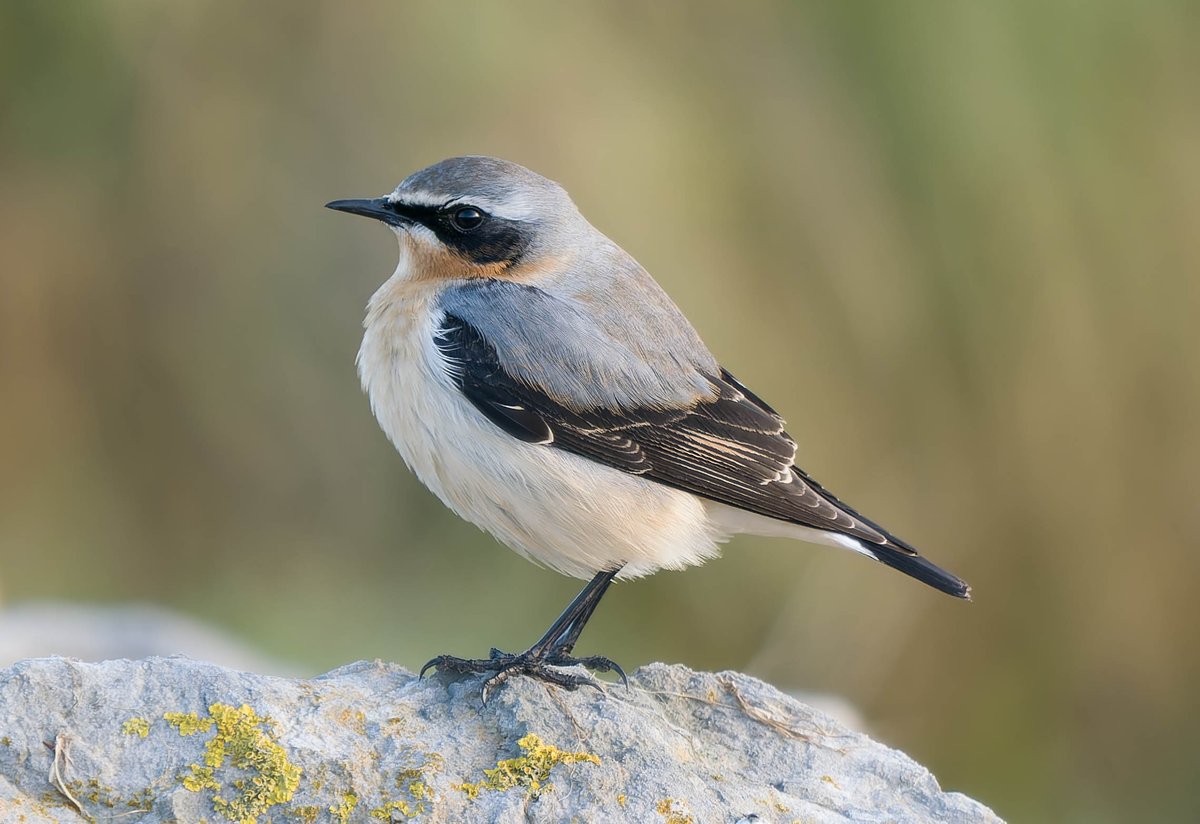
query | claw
[545, 659]
[490, 684]
[594, 662]
[589, 682]
[544, 666]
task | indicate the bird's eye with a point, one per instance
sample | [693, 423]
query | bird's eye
[467, 218]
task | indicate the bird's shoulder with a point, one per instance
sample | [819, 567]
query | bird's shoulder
[585, 347]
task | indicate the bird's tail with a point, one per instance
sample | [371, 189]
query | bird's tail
[919, 568]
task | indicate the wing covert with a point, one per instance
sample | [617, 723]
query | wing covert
[729, 447]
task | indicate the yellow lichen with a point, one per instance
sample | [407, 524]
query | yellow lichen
[621, 799]
[531, 770]
[342, 811]
[408, 775]
[354, 719]
[200, 778]
[94, 791]
[241, 741]
[667, 809]
[307, 815]
[136, 726]
[188, 723]
[409, 781]
[142, 800]
[386, 812]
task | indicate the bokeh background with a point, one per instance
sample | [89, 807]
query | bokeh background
[957, 244]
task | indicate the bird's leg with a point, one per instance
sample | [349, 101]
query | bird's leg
[553, 649]
[560, 639]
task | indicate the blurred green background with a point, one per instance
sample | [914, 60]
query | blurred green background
[956, 244]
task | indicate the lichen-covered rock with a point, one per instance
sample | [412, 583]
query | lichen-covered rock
[170, 739]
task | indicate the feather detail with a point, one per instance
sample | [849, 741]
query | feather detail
[730, 447]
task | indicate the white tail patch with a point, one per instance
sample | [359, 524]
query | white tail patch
[731, 520]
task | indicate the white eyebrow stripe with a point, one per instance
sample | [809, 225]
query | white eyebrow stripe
[515, 208]
[416, 198]
[500, 209]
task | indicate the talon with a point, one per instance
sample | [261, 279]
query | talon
[493, 682]
[620, 672]
[594, 662]
[543, 660]
[591, 682]
[537, 664]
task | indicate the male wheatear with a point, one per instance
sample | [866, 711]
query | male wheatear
[546, 389]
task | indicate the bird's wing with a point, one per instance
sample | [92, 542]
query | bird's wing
[726, 446]
[627, 348]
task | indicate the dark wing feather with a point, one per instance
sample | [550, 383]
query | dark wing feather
[731, 448]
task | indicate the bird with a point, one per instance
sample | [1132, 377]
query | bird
[540, 382]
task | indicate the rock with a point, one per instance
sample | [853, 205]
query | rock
[97, 632]
[171, 739]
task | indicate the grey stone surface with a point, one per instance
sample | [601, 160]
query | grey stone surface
[370, 742]
[98, 632]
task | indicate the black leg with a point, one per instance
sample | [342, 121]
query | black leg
[553, 649]
[567, 628]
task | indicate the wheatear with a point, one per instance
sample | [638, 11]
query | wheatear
[546, 389]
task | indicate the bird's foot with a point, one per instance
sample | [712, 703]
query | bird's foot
[548, 666]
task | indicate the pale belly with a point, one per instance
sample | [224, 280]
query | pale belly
[560, 510]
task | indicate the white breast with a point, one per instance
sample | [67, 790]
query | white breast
[560, 510]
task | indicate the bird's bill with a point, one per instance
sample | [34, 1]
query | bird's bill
[379, 208]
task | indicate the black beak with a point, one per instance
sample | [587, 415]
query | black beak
[379, 208]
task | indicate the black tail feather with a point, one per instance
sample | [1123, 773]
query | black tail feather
[922, 570]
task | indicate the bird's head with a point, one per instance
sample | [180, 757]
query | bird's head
[479, 217]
